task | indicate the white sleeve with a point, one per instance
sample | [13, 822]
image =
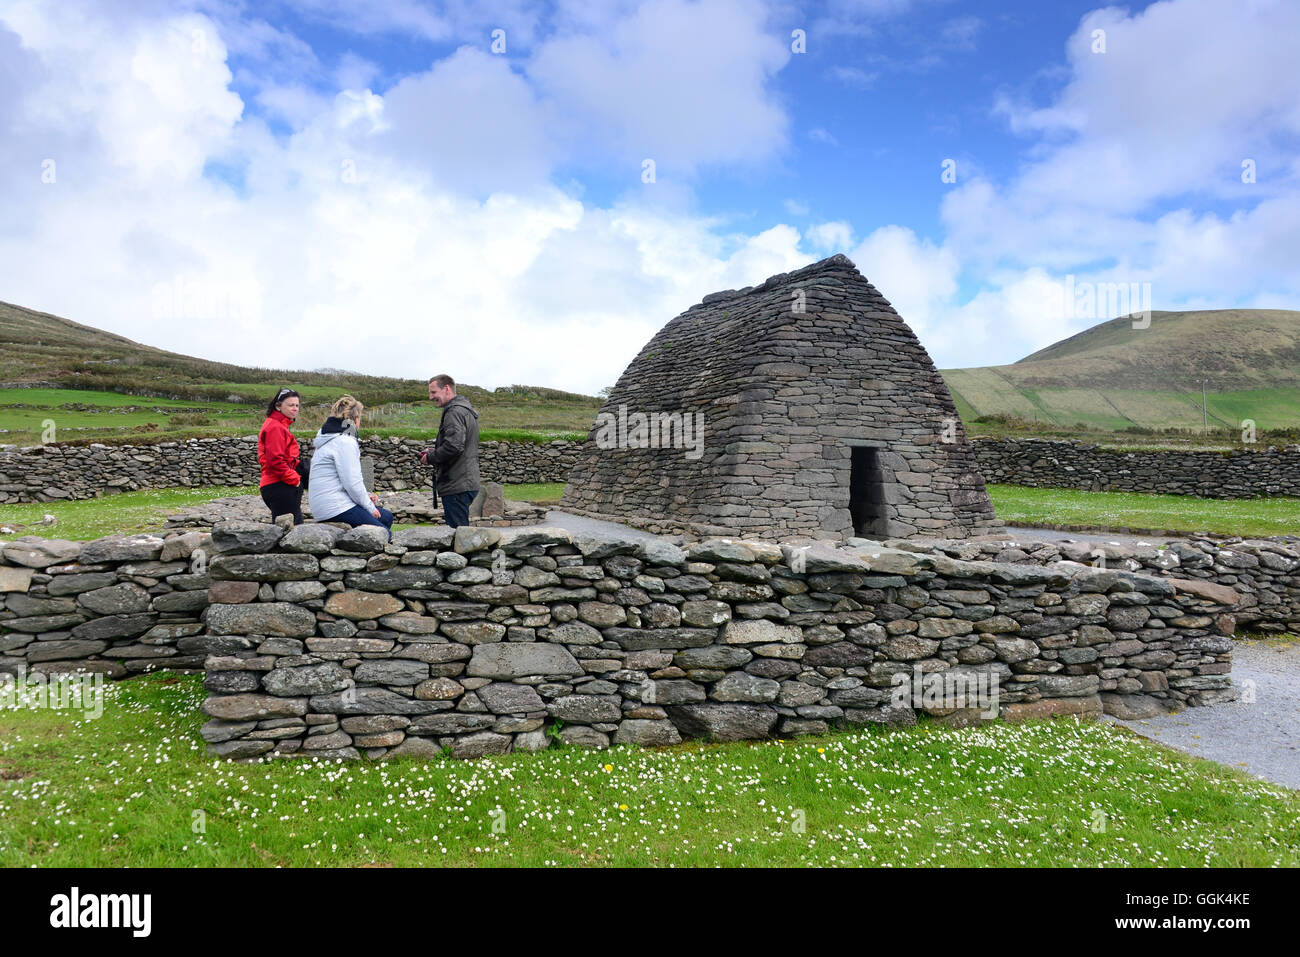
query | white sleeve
[350, 476]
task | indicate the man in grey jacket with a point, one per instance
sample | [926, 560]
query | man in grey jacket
[454, 455]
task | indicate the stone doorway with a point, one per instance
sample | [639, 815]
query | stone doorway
[867, 493]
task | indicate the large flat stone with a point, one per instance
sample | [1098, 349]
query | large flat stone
[1210, 591]
[520, 659]
[372, 701]
[124, 599]
[645, 639]
[242, 707]
[306, 680]
[310, 539]
[63, 650]
[264, 568]
[394, 579]
[363, 605]
[278, 618]
[245, 537]
[138, 548]
[75, 584]
[647, 733]
[114, 626]
[15, 579]
[31, 552]
[508, 698]
[723, 722]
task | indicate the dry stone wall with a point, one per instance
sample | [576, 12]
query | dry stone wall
[335, 643]
[113, 606]
[1264, 573]
[1236, 473]
[483, 641]
[57, 472]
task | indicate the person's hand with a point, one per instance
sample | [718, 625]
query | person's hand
[376, 513]
[424, 457]
[374, 498]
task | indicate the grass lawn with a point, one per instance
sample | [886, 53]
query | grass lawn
[141, 511]
[1051, 506]
[111, 515]
[138, 511]
[134, 788]
[535, 492]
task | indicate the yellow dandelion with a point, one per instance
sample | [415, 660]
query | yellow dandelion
[609, 767]
[622, 807]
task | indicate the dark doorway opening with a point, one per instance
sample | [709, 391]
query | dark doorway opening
[867, 493]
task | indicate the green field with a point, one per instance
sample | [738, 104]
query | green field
[134, 788]
[145, 511]
[81, 415]
[1051, 506]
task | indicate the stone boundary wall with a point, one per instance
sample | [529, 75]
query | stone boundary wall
[1235, 473]
[1264, 573]
[56, 472]
[113, 606]
[145, 597]
[327, 642]
[482, 641]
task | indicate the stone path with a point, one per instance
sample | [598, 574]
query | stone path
[580, 524]
[1032, 534]
[1259, 734]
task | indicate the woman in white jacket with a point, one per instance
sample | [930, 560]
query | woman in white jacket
[337, 491]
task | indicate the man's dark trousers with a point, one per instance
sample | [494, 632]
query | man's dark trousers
[455, 508]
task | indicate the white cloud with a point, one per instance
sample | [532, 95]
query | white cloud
[830, 237]
[403, 231]
[662, 85]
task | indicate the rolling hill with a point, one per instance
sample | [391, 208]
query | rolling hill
[1109, 379]
[51, 367]
[1114, 377]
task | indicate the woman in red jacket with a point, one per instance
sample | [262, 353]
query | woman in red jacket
[277, 453]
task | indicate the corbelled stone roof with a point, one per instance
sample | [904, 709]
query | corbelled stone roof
[786, 377]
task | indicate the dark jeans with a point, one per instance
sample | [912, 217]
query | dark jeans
[357, 515]
[455, 508]
[283, 499]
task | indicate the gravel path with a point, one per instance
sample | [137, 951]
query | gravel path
[1260, 736]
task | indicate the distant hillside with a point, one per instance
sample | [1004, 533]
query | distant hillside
[41, 355]
[1116, 377]
[41, 348]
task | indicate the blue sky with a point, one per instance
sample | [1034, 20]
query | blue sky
[311, 183]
